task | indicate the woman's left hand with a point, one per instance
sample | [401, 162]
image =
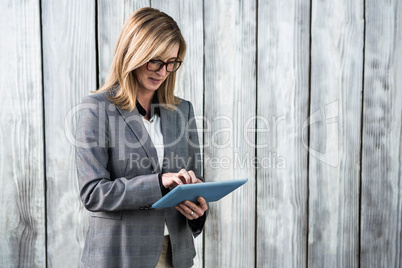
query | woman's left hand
[191, 210]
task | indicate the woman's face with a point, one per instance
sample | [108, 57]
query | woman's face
[150, 80]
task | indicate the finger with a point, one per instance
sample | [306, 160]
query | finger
[189, 214]
[186, 209]
[193, 177]
[193, 214]
[189, 206]
[203, 203]
[169, 180]
[183, 213]
[177, 180]
[202, 206]
[166, 180]
[184, 174]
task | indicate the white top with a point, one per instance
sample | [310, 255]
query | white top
[153, 126]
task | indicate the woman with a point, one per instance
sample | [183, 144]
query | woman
[137, 141]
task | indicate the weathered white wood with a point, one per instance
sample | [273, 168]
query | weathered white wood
[130, 6]
[381, 207]
[110, 21]
[337, 30]
[189, 79]
[283, 89]
[335, 112]
[111, 18]
[230, 100]
[69, 74]
[22, 202]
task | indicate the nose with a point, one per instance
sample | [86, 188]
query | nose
[162, 72]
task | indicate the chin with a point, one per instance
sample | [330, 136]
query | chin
[152, 88]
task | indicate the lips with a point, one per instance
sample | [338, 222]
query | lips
[154, 80]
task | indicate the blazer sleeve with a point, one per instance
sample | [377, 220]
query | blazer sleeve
[195, 164]
[98, 191]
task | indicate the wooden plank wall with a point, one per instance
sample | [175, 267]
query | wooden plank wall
[381, 191]
[335, 134]
[301, 97]
[283, 91]
[22, 177]
[230, 100]
[69, 67]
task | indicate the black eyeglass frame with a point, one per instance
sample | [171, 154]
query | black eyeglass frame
[165, 64]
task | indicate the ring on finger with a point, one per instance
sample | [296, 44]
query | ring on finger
[192, 213]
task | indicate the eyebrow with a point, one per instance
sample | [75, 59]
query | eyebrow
[172, 58]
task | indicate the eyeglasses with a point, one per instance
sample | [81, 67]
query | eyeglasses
[156, 65]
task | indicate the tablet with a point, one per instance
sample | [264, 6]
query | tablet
[210, 191]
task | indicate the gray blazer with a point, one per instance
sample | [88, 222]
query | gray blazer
[118, 180]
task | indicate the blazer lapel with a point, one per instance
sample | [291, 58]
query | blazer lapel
[168, 127]
[134, 121]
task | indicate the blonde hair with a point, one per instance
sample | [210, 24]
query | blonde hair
[148, 33]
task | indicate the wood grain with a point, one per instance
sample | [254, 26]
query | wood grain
[283, 91]
[110, 21]
[381, 204]
[130, 6]
[230, 100]
[300, 186]
[337, 30]
[189, 79]
[70, 74]
[111, 18]
[22, 202]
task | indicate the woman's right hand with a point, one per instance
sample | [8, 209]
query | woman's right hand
[182, 177]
